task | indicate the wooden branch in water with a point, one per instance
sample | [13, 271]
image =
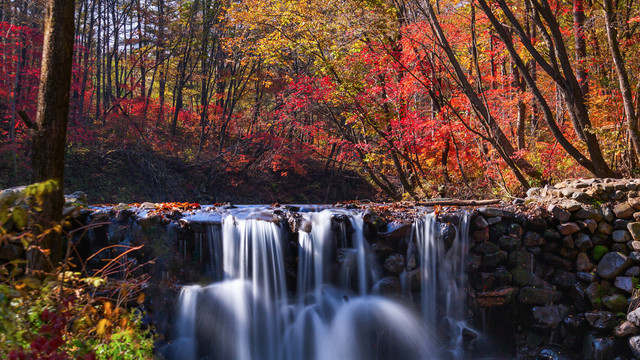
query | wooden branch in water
[456, 202]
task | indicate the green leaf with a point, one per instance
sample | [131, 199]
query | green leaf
[20, 217]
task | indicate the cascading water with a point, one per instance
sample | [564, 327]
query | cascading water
[249, 313]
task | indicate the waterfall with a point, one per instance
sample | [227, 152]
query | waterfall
[249, 313]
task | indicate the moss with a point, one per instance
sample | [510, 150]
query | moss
[599, 251]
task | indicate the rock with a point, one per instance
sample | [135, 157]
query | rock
[567, 242]
[490, 261]
[520, 258]
[414, 279]
[633, 271]
[591, 225]
[568, 253]
[635, 256]
[549, 317]
[10, 251]
[523, 277]
[634, 229]
[532, 239]
[625, 329]
[533, 192]
[574, 322]
[605, 228]
[582, 242]
[558, 262]
[394, 264]
[621, 236]
[491, 211]
[515, 230]
[509, 242]
[601, 320]
[553, 354]
[483, 281]
[529, 295]
[559, 213]
[599, 348]
[581, 196]
[586, 277]
[634, 246]
[634, 317]
[551, 235]
[616, 303]
[494, 220]
[481, 235]
[594, 293]
[634, 202]
[585, 213]
[607, 213]
[480, 222]
[612, 265]
[474, 262]
[485, 248]
[564, 279]
[625, 283]
[623, 210]
[570, 205]
[568, 228]
[502, 276]
[634, 345]
[620, 224]
[621, 248]
[583, 263]
[496, 298]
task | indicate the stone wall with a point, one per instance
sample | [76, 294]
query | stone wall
[565, 266]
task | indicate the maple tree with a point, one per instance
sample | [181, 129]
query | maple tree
[420, 98]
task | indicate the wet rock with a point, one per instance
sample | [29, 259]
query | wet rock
[625, 329]
[520, 258]
[481, 235]
[497, 297]
[616, 303]
[515, 230]
[502, 276]
[582, 242]
[509, 242]
[523, 277]
[568, 228]
[594, 293]
[559, 213]
[532, 239]
[490, 261]
[394, 264]
[485, 248]
[474, 262]
[494, 220]
[601, 320]
[491, 211]
[599, 348]
[389, 285]
[578, 296]
[414, 279]
[553, 354]
[558, 262]
[483, 280]
[538, 296]
[623, 210]
[480, 222]
[625, 283]
[612, 265]
[564, 279]
[634, 230]
[549, 317]
[586, 277]
[575, 322]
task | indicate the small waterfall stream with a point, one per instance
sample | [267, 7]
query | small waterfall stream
[334, 312]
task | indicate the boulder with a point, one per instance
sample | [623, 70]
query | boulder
[612, 265]
[634, 230]
[568, 228]
[623, 210]
[605, 228]
[634, 317]
[634, 345]
[583, 263]
[549, 317]
[480, 222]
[394, 264]
[582, 242]
[529, 295]
[625, 329]
[625, 283]
[616, 303]
[532, 238]
[621, 236]
[601, 320]
[559, 213]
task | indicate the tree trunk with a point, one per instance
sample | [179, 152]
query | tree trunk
[49, 135]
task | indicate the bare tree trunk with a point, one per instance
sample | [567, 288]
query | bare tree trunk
[49, 135]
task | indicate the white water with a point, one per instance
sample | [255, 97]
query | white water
[332, 314]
